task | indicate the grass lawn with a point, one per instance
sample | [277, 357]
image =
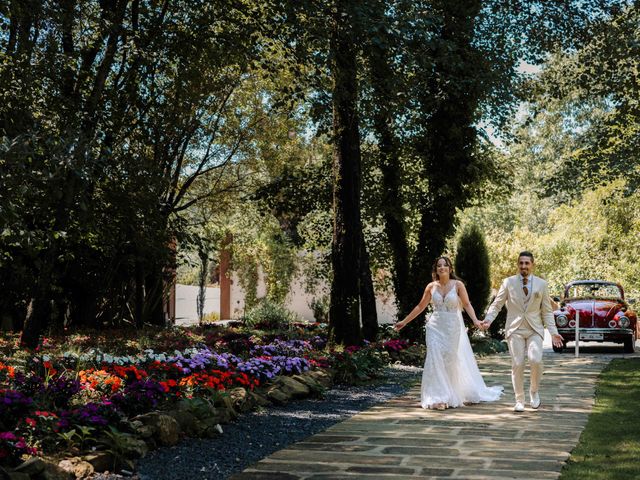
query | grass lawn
[609, 447]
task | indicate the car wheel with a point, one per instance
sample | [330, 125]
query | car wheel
[630, 343]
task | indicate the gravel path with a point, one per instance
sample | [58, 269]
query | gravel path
[256, 435]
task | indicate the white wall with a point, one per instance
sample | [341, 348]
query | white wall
[186, 303]
[298, 299]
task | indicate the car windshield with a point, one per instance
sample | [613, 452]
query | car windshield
[594, 290]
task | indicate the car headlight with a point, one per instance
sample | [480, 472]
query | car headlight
[561, 321]
[624, 321]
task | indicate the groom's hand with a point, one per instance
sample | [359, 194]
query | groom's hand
[484, 325]
[557, 341]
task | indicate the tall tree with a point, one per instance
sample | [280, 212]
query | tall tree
[386, 85]
[116, 109]
[437, 71]
[448, 144]
[344, 312]
[586, 102]
[472, 265]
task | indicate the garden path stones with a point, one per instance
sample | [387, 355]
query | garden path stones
[165, 427]
[400, 440]
[31, 467]
[77, 467]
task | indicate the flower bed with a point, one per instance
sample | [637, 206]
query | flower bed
[92, 395]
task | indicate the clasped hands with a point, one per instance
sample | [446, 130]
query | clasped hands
[482, 325]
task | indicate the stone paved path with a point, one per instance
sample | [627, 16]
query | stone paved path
[398, 439]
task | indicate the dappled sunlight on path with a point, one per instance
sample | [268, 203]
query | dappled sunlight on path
[398, 439]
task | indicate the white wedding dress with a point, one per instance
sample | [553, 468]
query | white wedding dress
[451, 374]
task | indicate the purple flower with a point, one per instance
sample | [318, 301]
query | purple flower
[60, 390]
[93, 414]
[265, 368]
[139, 396]
[8, 436]
[290, 348]
[13, 406]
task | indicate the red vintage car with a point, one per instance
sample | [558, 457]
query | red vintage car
[603, 313]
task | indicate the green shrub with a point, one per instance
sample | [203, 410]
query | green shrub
[267, 315]
[485, 345]
[472, 266]
[353, 367]
[496, 330]
[413, 355]
[320, 308]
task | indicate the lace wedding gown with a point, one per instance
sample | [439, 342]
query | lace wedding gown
[451, 374]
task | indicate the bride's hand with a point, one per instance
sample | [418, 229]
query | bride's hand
[399, 326]
[479, 325]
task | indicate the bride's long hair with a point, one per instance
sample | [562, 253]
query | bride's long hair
[434, 269]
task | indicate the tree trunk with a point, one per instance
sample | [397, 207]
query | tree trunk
[139, 300]
[344, 312]
[39, 308]
[37, 318]
[154, 297]
[83, 307]
[202, 284]
[447, 146]
[367, 296]
[391, 203]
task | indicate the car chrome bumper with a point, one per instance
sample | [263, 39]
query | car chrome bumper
[596, 334]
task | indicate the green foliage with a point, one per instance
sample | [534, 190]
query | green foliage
[119, 120]
[593, 237]
[412, 355]
[200, 406]
[320, 308]
[483, 345]
[353, 367]
[117, 444]
[496, 330]
[427, 85]
[114, 120]
[78, 440]
[472, 266]
[267, 315]
[587, 101]
[262, 252]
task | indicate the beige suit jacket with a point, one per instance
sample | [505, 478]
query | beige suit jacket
[538, 312]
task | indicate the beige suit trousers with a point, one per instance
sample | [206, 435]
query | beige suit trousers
[525, 342]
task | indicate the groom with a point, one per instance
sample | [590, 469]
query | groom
[528, 312]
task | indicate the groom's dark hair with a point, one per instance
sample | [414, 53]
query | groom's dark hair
[526, 253]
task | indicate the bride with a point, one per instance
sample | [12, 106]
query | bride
[451, 377]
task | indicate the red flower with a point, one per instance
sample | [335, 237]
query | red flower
[50, 370]
[42, 413]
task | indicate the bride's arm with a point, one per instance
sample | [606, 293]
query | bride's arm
[424, 301]
[466, 304]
